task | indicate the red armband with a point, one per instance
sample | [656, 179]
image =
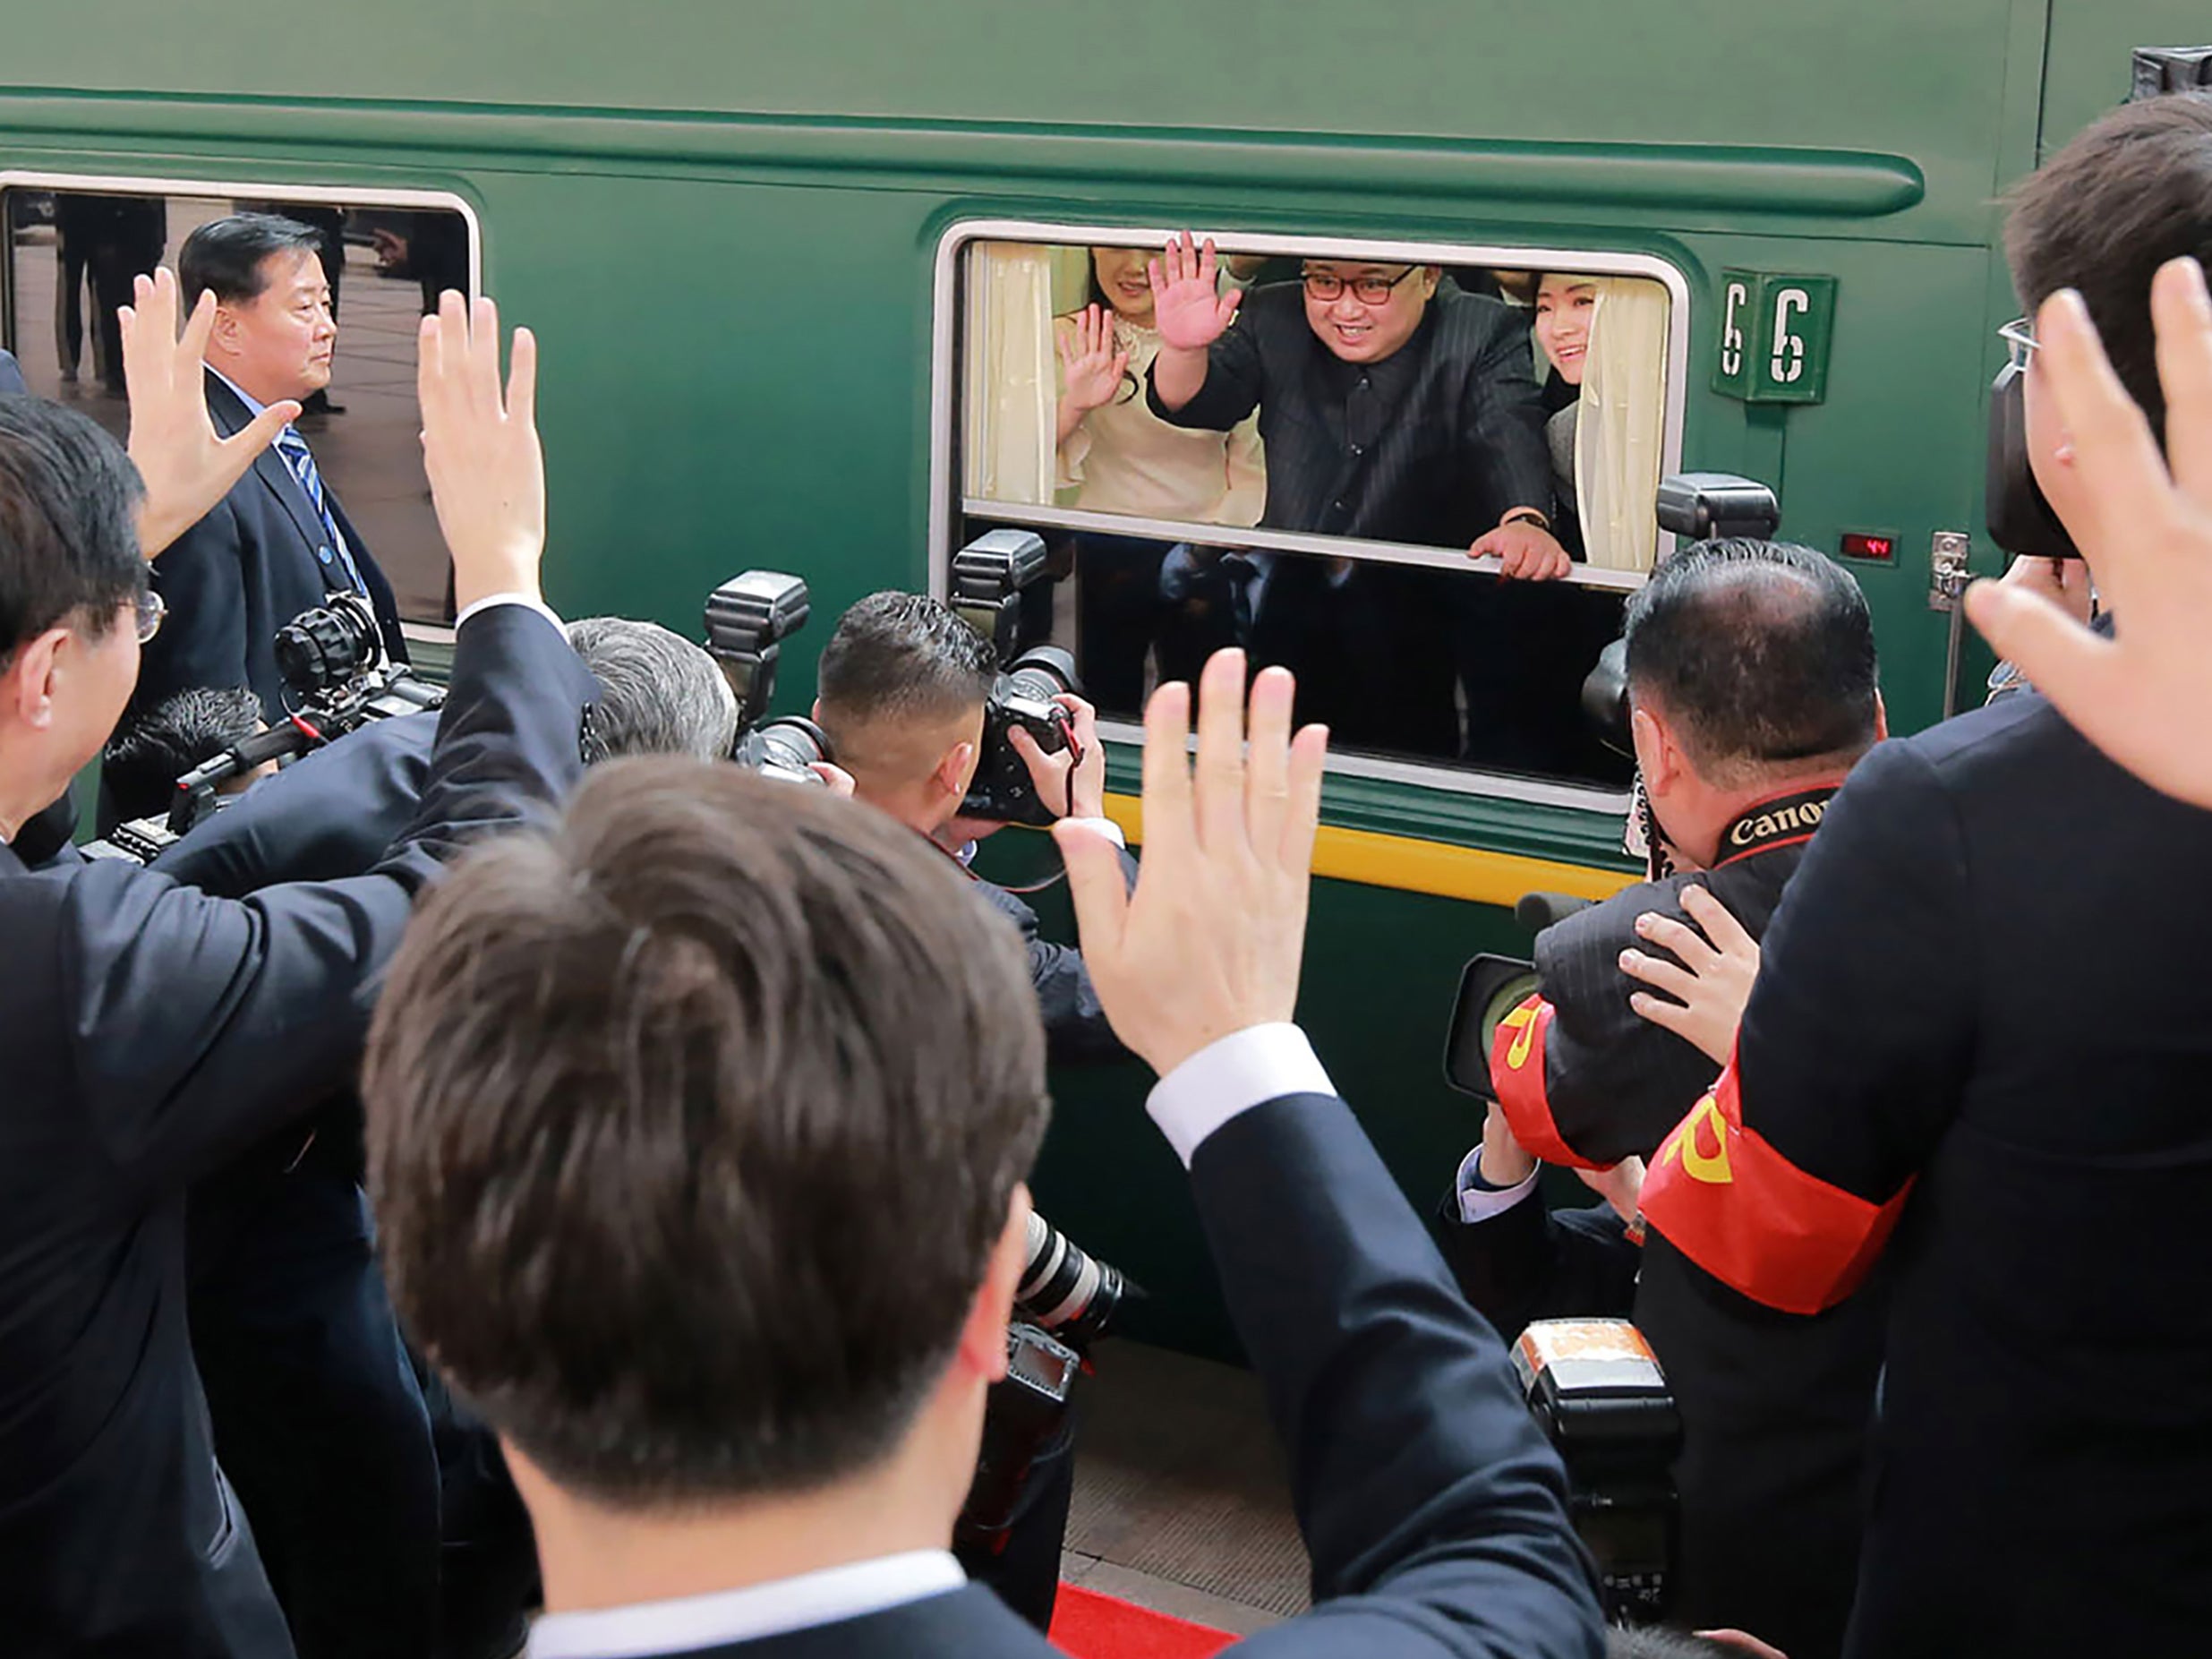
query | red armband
[1726, 1198]
[1516, 1072]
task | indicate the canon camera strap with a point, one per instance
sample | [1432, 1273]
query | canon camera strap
[1780, 821]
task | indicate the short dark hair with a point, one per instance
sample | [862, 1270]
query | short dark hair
[658, 694]
[1761, 654]
[692, 1124]
[155, 747]
[226, 255]
[903, 657]
[69, 498]
[2132, 191]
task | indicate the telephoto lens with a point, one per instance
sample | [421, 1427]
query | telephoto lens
[1069, 1292]
[321, 651]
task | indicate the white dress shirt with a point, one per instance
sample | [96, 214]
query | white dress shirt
[1222, 1080]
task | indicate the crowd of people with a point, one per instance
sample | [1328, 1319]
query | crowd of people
[514, 1160]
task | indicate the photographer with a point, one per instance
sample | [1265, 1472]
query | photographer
[902, 689]
[1924, 1083]
[318, 1419]
[739, 1371]
[1751, 676]
[151, 1031]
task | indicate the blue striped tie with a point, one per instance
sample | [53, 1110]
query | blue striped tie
[296, 456]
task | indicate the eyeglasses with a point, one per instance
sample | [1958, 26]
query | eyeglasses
[1327, 285]
[2019, 342]
[150, 608]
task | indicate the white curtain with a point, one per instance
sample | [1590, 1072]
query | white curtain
[1621, 428]
[1010, 379]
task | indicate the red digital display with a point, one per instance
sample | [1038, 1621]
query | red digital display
[1859, 544]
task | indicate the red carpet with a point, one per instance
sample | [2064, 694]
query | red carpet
[1087, 1625]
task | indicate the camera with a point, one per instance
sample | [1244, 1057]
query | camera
[1024, 1412]
[1597, 1390]
[332, 661]
[989, 577]
[747, 620]
[1002, 790]
[1064, 1290]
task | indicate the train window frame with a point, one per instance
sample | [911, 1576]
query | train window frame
[949, 504]
[433, 634]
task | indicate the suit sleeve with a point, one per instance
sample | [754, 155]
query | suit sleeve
[1503, 420]
[331, 815]
[201, 577]
[1785, 1180]
[1432, 1509]
[1530, 1263]
[1585, 1081]
[198, 1024]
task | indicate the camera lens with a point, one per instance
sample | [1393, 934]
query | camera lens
[320, 651]
[785, 748]
[1069, 1293]
[1042, 673]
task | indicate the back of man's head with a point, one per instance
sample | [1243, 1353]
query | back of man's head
[68, 539]
[901, 666]
[225, 254]
[659, 692]
[2132, 191]
[1759, 654]
[692, 1126]
[151, 750]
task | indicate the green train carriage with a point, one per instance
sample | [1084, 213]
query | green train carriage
[746, 238]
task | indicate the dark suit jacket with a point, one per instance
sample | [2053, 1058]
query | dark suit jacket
[243, 572]
[147, 1032]
[1431, 1506]
[1076, 1029]
[11, 374]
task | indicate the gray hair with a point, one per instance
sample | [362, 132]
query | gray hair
[659, 692]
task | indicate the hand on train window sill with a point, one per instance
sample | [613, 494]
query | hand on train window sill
[1526, 551]
[2146, 532]
[1212, 941]
[187, 468]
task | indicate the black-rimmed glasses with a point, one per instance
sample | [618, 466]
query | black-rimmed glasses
[1327, 285]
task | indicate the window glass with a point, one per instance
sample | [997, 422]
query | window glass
[1346, 471]
[73, 255]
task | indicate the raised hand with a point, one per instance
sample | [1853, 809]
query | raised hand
[1712, 985]
[186, 468]
[2141, 695]
[1091, 369]
[1212, 941]
[1187, 308]
[487, 476]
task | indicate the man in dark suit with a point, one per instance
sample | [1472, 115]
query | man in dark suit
[318, 1419]
[740, 1371]
[167, 1029]
[278, 544]
[1921, 1087]
[1752, 686]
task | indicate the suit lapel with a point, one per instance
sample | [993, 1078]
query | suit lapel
[231, 418]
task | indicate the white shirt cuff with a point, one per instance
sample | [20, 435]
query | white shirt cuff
[1478, 1203]
[1230, 1076]
[490, 600]
[1106, 827]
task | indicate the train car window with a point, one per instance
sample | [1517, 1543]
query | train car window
[73, 251]
[1353, 471]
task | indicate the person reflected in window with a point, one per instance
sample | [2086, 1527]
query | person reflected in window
[1395, 407]
[1117, 457]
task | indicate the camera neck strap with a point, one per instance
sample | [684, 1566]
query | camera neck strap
[1785, 820]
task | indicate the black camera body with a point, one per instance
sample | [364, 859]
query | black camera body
[1597, 1390]
[747, 620]
[1023, 1414]
[1002, 790]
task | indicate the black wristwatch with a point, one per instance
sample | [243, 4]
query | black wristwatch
[1526, 515]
